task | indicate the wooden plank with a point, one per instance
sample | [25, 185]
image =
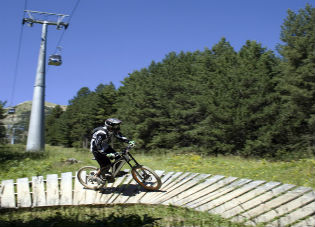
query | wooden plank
[166, 179]
[39, 197]
[286, 208]
[214, 198]
[149, 196]
[79, 191]
[111, 191]
[66, 189]
[52, 187]
[125, 191]
[273, 203]
[241, 188]
[308, 222]
[258, 200]
[175, 195]
[23, 190]
[175, 182]
[90, 196]
[130, 190]
[7, 194]
[106, 192]
[198, 199]
[290, 218]
[226, 209]
[174, 186]
[99, 194]
[136, 199]
[194, 192]
[233, 197]
[134, 189]
[119, 189]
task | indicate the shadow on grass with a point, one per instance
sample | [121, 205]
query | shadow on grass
[130, 220]
[113, 215]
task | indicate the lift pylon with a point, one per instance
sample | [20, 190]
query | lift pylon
[36, 138]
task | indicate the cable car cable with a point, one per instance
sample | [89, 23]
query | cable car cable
[17, 61]
[55, 59]
[70, 17]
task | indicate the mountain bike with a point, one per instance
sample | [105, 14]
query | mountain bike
[143, 175]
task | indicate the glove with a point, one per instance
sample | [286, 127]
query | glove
[132, 143]
[112, 155]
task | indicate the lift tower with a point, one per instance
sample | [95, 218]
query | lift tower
[35, 138]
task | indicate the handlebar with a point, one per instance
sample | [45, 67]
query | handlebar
[126, 150]
[129, 147]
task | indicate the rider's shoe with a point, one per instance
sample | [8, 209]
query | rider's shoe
[108, 176]
[110, 179]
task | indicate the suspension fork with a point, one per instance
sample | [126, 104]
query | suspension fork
[137, 164]
[145, 175]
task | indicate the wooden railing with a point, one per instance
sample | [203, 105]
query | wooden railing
[241, 200]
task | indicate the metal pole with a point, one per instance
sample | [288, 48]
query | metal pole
[36, 138]
[13, 136]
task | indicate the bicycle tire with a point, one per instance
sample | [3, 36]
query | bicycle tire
[83, 175]
[146, 185]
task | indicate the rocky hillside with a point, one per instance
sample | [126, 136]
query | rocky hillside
[20, 119]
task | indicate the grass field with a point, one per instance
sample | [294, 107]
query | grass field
[15, 163]
[111, 216]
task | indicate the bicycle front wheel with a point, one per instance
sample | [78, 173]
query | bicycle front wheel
[146, 177]
[86, 176]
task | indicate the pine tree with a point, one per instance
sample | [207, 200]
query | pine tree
[257, 108]
[64, 128]
[106, 97]
[82, 111]
[297, 84]
[2, 128]
[218, 131]
[51, 128]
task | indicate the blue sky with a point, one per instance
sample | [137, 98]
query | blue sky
[106, 40]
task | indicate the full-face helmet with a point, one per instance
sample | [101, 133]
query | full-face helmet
[113, 124]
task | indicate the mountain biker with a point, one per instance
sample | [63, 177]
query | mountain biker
[101, 149]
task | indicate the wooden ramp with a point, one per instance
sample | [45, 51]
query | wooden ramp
[240, 200]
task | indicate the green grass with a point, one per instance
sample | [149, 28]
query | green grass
[15, 163]
[111, 216]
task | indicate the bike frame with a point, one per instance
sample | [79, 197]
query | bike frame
[125, 158]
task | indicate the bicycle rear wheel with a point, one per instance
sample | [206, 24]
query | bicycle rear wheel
[86, 176]
[146, 177]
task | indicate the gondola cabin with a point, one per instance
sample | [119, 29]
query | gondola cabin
[11, 110]
[55, 59]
